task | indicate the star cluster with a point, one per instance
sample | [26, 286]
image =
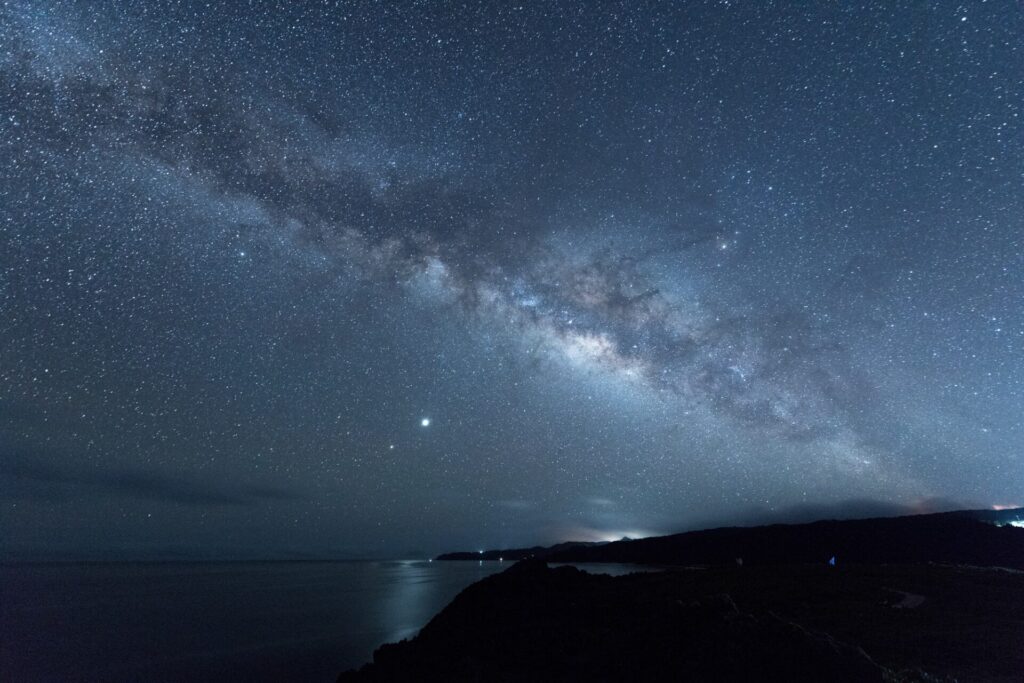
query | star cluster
[355, 279]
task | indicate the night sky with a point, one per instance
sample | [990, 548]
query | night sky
[379, 279]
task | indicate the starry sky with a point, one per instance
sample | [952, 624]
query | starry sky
[364, 279]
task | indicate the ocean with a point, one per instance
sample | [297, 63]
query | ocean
[258, 621]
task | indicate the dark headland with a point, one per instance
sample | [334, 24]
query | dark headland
[975, 537]
[935, 597]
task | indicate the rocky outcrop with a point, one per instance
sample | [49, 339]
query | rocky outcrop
[535, 623]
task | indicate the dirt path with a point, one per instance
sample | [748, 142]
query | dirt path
[909, 601]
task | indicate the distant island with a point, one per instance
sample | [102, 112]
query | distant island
[920, 599]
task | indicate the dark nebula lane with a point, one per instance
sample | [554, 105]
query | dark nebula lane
[361, 280]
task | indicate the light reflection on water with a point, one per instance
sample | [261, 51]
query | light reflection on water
[410, 600]
[218, 621]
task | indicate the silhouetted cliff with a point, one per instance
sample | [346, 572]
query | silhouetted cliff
[769, 623]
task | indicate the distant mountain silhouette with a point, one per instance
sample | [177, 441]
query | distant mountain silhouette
[515, 554]
[972, 537]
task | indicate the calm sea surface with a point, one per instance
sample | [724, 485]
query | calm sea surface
[272, 621]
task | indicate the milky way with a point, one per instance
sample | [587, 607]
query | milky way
[361, 280]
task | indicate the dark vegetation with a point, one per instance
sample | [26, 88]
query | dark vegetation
[922, 598]
[779, 623]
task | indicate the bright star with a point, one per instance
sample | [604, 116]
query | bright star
[425, 422]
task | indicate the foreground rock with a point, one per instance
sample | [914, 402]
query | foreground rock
[534, 623]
